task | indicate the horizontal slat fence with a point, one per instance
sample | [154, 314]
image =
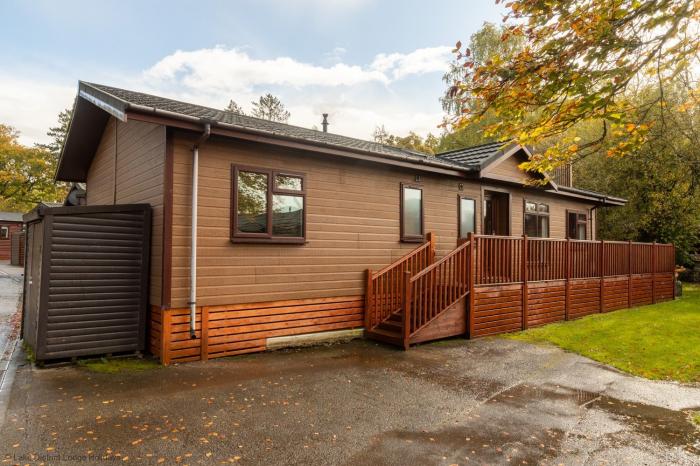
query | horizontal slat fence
[540, 281]
[245, 328]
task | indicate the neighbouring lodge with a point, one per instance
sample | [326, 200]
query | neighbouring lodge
[10, 223]
[263, 233]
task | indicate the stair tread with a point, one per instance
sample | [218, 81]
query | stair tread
[386, 332]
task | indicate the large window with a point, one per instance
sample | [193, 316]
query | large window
[576, 225]
[536, 219]
[267, 206]
[467, 216]
[411, 213]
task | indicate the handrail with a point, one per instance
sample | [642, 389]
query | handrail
[435, 289]
[505, 259]
[385, 288]
[422, 248]
[437, 264]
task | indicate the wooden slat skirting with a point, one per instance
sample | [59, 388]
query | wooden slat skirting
[498, 308]
[245, 328]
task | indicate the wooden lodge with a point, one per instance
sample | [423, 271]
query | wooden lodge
[264, 232]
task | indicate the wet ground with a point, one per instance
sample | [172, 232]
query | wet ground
[489, 401]
[10, 292]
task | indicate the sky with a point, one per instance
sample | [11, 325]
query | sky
[365, 62]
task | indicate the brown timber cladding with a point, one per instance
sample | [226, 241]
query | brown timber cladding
[352, 224]
[128, 168]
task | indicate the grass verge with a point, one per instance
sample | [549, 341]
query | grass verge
[659, 341]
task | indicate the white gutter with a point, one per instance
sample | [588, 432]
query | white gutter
[193, 232]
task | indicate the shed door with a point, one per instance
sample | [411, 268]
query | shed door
[32, 281]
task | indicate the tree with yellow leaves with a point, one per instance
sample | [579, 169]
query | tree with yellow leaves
[579, 62]
[26, 174]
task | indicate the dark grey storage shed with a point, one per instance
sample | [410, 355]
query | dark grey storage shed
[86, 280]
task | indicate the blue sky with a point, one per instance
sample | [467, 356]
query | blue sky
[366, 62]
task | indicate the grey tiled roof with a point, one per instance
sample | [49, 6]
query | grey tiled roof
[474, 156]
[11, 216]
[257, 124]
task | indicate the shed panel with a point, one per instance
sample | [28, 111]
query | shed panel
[94, 280]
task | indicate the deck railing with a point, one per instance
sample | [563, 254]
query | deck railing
[501, 260]
[385, 287]
[436, 288]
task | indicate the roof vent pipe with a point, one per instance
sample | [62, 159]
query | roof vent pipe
[193, 232]
[325, 123]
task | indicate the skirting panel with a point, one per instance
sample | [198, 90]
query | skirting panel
[663, 287]
[497, 309]
[245, 328]
[584, 297]
[642, 290]
[615, 293]
[546, 302]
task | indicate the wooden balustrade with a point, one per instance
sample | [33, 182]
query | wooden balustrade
[511, 283]
[499, 259]
[385, 288]
[436, 288]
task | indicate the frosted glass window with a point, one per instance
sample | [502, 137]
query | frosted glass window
[467, 217]
[412, 212]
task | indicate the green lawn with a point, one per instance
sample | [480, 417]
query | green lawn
[660, 341]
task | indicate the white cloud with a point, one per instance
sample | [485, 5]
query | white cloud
[32, 107]
[420, 61]
[358, 97]
[230, 69]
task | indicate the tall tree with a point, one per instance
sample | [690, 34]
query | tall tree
[486, 44]
[26, 173]
[412, 141]
[661, 181]
[58, 133]
[269, 107]
[234, 107]
[579, 62]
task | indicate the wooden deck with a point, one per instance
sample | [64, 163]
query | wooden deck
[513, 283]
[487, 285]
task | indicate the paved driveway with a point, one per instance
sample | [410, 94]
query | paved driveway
[483, 402]
[10, 292]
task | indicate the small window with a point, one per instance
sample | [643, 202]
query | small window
[4, 232]
[536, 219]
[411, 213]
[577, 225]
[267, 206]
[467, 216]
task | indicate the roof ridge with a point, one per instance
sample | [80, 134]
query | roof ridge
[102, 87]
[470, 147]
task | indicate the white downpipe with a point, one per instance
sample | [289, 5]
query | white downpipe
[193, 231]
[193, 235]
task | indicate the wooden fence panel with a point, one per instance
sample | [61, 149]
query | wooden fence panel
[497, 309]
[546, 303]
[642, 292]
[585, 298]
[664, 287]
[245, 328]
[615, 293]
